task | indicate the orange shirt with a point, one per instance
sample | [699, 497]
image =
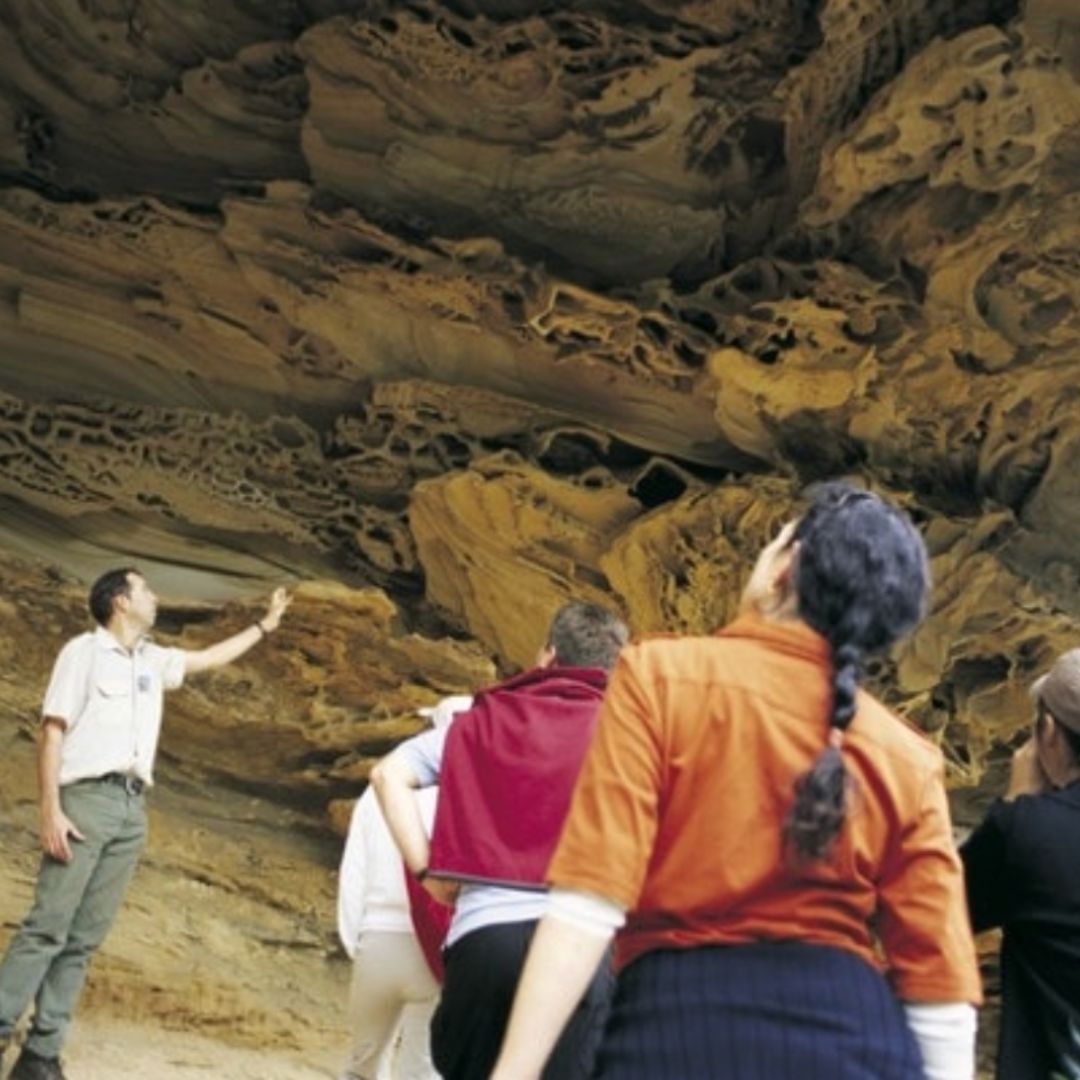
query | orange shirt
[678, 811]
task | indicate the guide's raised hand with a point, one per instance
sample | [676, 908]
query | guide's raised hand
[279, 603]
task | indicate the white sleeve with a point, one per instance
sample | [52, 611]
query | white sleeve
[169, 663]
[352, 874]
[946, 1037]
[590, 913]
[69, 686]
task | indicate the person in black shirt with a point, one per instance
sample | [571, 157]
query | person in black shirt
[1023, 874]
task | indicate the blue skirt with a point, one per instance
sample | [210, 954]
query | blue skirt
[767, 1011]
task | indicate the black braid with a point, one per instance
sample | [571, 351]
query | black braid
[820, 806]
[846, 670]
[862, 579]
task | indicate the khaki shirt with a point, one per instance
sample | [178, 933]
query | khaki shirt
[111, 701]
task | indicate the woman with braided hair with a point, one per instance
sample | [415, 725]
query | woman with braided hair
[771, 844]
[861, 581]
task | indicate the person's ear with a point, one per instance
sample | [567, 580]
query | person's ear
[781, 579]
[1049, 746]
[1051, 729]
[545, 657]
[784, 570]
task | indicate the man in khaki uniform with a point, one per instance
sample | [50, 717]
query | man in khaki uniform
[100, 724]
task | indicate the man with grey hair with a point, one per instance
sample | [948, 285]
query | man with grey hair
[506, 770]
[1023, 875]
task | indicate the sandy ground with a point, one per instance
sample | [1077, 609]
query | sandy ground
[101, 1049]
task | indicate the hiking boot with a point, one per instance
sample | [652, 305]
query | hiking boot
[31, 1066]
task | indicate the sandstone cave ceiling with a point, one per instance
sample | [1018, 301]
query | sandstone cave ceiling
[454, 310]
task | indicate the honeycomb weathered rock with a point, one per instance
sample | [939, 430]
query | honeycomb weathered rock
[455, 310]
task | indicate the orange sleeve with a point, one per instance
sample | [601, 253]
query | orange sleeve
[923, 919]
[609, 833]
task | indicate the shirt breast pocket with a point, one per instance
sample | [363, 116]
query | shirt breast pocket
[113, 689]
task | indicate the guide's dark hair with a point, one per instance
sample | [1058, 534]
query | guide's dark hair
[587, 636]
[106, 589]
[862, 579]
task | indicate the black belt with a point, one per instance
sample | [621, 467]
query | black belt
[131, 784]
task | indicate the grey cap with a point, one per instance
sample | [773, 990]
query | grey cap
[1059, 690]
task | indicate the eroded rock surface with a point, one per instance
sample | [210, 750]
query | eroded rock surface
[446, 312]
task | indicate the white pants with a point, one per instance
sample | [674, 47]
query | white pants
[391, 999]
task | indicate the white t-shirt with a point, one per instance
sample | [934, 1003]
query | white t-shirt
[111, 702]
[371, 881]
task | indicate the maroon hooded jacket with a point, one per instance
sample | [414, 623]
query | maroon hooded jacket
[508, 772]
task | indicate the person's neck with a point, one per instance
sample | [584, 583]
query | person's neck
[126, 632]
[784, 613]
[1071, 777]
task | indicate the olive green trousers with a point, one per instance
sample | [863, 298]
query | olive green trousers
[75, 904]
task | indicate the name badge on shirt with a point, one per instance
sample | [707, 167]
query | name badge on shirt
[143, 684]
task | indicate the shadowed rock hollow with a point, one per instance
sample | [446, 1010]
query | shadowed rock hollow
[448, 312]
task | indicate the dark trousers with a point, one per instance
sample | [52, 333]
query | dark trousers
[781, 1011]
[482, 972]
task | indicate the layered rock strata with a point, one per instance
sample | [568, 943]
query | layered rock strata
[448, 312]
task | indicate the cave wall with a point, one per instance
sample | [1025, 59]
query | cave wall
[447, 312]
[491, 304]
